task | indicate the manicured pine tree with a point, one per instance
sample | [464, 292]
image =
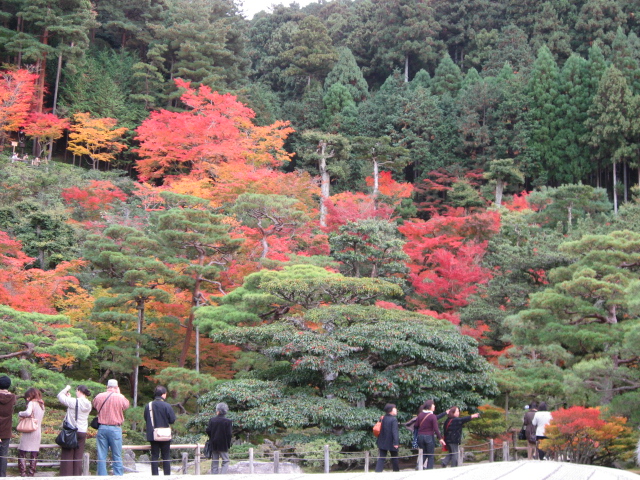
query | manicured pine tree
[198, 248]
[124, 261]
[503, 172]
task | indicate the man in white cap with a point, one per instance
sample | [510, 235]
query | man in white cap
[110, 406]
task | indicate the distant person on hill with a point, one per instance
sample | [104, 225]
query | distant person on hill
[530, 431]
[389, 439]
[219, 431]
[453, 434]
[7, 402]
[541, 419]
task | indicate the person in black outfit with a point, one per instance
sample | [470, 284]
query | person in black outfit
[453, 434]
[219, 431]
[163, 416]
[389, 439]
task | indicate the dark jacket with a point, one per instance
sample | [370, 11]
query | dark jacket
[527, 423]
[219, 431]
[389, 438]
[453, 429]
[7, 402]
[163, 416]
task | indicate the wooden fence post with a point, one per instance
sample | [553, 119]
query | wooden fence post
[460, 456]
[420, 462]
[505, 451]
[276, 462]
[251, 466]
[85, 464]
[366, 461]
[327, 463]
[492, 451]
[185, 462]
[197, 460]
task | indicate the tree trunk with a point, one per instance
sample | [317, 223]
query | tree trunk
[42, 72]
[615, 193]
[625, 181]
[324, 183]
[376, 179]
[197, 349]
[406, 68]
[499, 190]
[136, 368]
[195, 301]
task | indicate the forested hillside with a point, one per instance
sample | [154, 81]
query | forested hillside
[323, 209]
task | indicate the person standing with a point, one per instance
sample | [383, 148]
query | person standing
[7, 402]
[219, 431]
[541, 419]
[428, 431]
[71, 458]
[453, 434]
[159, 414]
[389, 439]
[530, 430]
[111, 406]
[29, 447]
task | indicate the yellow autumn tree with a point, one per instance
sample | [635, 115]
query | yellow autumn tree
[96, 138]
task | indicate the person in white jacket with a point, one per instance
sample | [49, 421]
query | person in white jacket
[541, 419]
[71, 458]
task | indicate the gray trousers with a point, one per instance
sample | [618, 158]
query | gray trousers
[214, 462]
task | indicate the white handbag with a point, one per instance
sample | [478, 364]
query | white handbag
[162, 434]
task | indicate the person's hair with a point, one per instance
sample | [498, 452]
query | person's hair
[159, 391]
[389, 407]
[533, 405]
[84, 390]
[452, 411]
[426, 405]
[542, 406]
[34, 395]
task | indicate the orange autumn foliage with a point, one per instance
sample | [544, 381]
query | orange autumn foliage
[45, 128]
[17, 88]
[31, 289]
[216, 129]
[96, 138]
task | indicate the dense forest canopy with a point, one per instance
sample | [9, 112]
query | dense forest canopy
[346, 204]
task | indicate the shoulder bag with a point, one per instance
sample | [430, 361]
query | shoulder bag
[414, 440]
[28, 424]
[377, 428]
[68, 436]
[94, 422]
[161, 434]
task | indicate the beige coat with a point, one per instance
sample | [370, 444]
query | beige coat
[30, 442]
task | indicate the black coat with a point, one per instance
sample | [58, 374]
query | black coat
[389, 438]
[219, 431]
[453, 429]
[163, 416]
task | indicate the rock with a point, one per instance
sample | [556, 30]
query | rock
[129, 461]
[264, 467]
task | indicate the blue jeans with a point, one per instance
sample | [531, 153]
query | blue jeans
[109, 437]
[4, 450]
[426, 443]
